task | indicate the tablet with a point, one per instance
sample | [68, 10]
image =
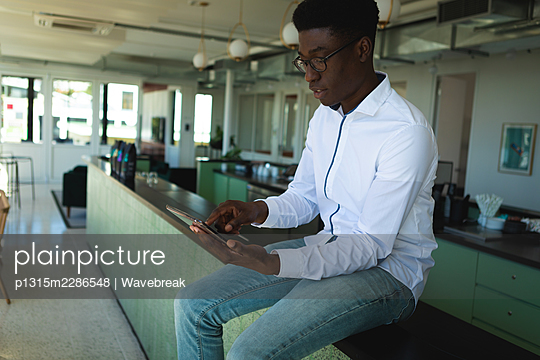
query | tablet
[192, 220]
[214, 243]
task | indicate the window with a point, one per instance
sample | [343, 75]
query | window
[203, 119]
[177, 117]
[127, 100]
[118, 112]
[21, 118]
[72, 112]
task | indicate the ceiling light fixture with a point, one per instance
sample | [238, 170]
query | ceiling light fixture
[388, 11]
[238, 49]
[200, 60]
[288, 33]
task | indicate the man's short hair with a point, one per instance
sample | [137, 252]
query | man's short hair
[347, 19]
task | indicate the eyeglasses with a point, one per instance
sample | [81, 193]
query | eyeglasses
[319, 63]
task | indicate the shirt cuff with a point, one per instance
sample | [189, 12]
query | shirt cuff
[273, 212]
[291, 262]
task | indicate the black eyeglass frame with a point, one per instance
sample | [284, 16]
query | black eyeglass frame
[296, 62]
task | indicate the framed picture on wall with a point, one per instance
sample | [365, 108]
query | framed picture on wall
[517, 148]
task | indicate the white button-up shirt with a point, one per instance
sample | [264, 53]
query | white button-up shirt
[369, 174]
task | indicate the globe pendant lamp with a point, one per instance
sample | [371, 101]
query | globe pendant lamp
[388, 11]
[287, 32]
[238, 50]
[200, 60]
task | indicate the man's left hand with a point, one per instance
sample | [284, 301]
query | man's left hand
[251, 256]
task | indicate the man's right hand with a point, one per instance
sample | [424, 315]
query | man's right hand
[232, 214]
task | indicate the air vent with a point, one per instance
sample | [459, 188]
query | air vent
[481, 12]
[74, 25]
[457, 10]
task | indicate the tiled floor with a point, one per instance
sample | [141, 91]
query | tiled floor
[59, 329]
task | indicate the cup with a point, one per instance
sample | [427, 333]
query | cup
[482, 219]
[152, 178]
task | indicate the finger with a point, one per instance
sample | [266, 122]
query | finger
[213, 216]
[218, 212]
[236, 223]
[235, 245]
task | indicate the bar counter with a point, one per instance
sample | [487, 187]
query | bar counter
[138, 208]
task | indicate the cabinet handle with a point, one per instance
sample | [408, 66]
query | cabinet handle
[510, 313]
[514, 277]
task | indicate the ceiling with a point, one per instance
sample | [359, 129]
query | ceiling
[145, 30]
[149, 35]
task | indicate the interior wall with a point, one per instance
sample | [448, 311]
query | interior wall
[451, 110]
[506, 91]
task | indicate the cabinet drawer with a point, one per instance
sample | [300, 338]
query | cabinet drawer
[514, 316]
[510, 278]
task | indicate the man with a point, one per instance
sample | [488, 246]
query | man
[368, 168]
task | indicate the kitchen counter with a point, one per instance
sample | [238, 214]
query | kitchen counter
[274, 184]
[520, 248]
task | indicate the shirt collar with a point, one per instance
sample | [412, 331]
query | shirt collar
[371, 103]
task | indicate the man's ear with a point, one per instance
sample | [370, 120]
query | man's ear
[365, 48]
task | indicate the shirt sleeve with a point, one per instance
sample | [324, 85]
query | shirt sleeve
[403, 171]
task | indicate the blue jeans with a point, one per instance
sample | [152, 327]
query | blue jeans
[304, 315]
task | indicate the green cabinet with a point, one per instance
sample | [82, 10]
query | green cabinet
[508, 277]
[450, 284]
[221, 188]
[217, 187]
[205, 178]
[497, 295]
[507, 313]
[237, 189]
[228, 188]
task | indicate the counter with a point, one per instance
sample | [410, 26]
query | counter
[273, 184]
[520, 248]
[139, 208]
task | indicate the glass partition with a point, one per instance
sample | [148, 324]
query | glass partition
[311, 105]
[263, 123]
[246, 115]
[290, 108]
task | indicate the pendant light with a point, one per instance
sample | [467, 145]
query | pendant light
[287, 32]
[238, 49]
[200, 60]
[388, 11]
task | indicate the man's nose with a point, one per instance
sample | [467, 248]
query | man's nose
[311, 74]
